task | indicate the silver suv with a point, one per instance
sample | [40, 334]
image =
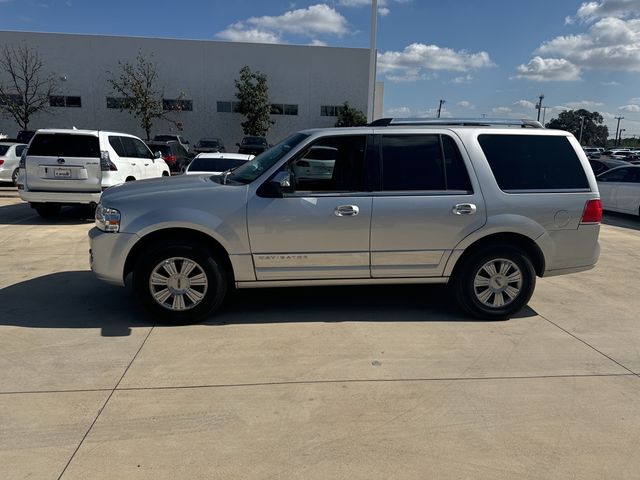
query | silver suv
[480, 205]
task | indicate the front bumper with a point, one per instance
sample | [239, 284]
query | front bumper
[108, 254]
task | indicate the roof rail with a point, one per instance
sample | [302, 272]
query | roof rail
[457, 122]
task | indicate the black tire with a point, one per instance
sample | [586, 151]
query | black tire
[47, 210]
[14, 177]
[207, 263]
[468, 296]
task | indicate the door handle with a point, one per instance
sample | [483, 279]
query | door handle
[464, 209]
[133, 164]
[346, 211]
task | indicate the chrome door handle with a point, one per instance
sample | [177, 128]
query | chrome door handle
[464, 209]
[346, 211]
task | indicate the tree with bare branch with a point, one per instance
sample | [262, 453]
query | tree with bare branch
[28, 87]
[137, 84]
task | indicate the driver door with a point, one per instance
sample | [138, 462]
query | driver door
[319, 230]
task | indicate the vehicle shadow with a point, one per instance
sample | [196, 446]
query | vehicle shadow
[23, 214]
[621, 220]
[76, 299]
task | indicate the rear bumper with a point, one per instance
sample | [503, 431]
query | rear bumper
[570, 251]
[69, 198]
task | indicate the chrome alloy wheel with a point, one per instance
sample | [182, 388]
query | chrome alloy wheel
[178, 284]
[497, 283]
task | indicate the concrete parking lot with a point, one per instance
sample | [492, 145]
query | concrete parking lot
[353, 383]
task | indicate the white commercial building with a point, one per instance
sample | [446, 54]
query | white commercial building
[306, 83]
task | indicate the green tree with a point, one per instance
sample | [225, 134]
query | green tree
[28, 88]
[253, 94]
[593, 132]
[349, 116]
[137, 85]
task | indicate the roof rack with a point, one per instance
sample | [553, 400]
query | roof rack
[458, 122]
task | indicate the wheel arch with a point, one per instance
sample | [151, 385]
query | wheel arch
[178, 234]
[517, 240]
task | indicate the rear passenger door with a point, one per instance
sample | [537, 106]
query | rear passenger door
[426, 203]
[628, 192]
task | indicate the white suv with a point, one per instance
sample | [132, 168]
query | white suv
[63, 167]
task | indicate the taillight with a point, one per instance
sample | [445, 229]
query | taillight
[1, 161]
[170, 159]
[106, 164]
[592, 212]
[23, 159]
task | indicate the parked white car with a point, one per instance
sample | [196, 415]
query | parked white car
[9, 160]
[216, 163]
[64, 167]
[620, 189]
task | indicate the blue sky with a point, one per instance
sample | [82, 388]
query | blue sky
[491, 57]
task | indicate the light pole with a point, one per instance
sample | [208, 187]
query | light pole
[615, 143]
[440, 107]
[539, 105]
[544, 113]
[372, 60]
[620, 137]
[581, 127]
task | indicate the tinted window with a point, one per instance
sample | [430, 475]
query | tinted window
[457, 175]
[333, 164]
[412, 162]
[597, 167]
[141, 149]
[617, 175]
[4, 149]
[533, 162]
[116, 144]
[65, 145]
[20, 149]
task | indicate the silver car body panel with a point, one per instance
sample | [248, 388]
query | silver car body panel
[396, 237]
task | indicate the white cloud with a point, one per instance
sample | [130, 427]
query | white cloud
[383, 11]
[315, 20]
[501, 110]
[433, 112]
[589, 11]
[237, 33]
[524, 104]
[612, 83]
[635, 101]
[399, 112]
[610, 43]
[630, 108]
[318, 43]
[548, 69]
[586, 104]
[417, 58]
[463, 79]
[466, 104]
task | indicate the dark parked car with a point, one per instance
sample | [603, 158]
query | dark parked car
[24, 136]
[253, 145]
[172, 153]
[183, 142]
[602, 165]
[209, 145]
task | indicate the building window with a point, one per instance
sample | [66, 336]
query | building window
[63, 101]
[228, 107]
[10, 99]
[179, 105]
[120, 103]
[330, 110]
[284, 109]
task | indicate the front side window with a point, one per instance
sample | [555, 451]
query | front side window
[332, 164]
[533, 162]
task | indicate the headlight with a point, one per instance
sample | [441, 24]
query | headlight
[107, 219]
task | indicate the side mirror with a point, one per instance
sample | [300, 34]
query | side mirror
[157, 154]
[279, 184]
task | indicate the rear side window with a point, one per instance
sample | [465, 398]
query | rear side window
[533, 162]
[4, 149]
[422, 163]
[64, 145]
[116, 144]
[20, 149]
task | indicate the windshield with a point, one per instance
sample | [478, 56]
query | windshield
[201, 164]
[254, 141]
[251, 170]
[164, 138]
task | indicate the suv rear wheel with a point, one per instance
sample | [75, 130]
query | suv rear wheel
[494, 283]
[180, 283]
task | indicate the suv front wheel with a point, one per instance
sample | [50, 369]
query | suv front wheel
[180, 283]
[494, 283]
